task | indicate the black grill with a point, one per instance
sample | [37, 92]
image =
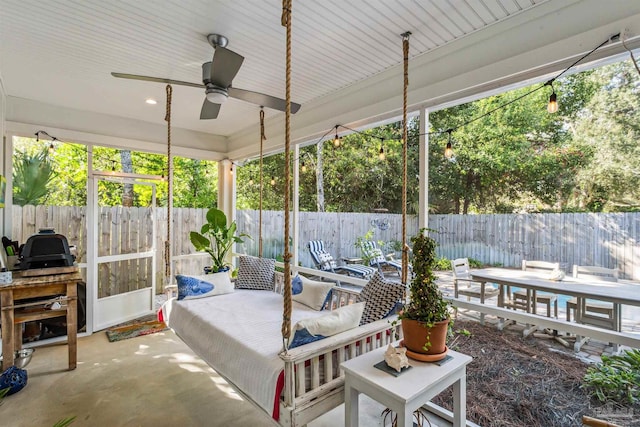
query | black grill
[46, 249]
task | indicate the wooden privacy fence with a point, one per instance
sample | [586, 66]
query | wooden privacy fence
[607, 240]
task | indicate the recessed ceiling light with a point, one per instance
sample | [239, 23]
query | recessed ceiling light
[151, 101]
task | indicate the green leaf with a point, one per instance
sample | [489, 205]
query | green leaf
[216, 218]
[200, 242]
[65, 422]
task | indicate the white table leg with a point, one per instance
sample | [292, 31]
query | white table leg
[460, 401]
[350, 405]
[405, 417]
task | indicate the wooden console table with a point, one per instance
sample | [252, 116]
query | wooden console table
[34, 287]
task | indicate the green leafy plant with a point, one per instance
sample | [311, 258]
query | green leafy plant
[426, 303]
[31, 176]
[216, 238]
[442, 264]
[616, 378]
[474, 263]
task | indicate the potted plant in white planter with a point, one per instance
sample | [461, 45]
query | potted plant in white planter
[426, 318]
[217, 239]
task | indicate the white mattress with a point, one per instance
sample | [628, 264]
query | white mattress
[238, 335]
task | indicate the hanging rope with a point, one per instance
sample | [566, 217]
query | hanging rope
[286, 315]
[262, 138]
[167, 243]
[405, 140]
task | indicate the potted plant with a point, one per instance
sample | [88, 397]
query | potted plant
[426, 318]
[216, 238]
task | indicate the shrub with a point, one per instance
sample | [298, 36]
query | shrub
[616, 378]
[442, 264]
[474, 263]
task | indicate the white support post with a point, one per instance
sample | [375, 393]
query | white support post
[423, 196]
[92, 242]
[227, 191]
[296, 205]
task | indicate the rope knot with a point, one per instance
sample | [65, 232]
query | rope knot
[286, 12]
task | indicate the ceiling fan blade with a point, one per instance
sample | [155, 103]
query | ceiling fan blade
[225, 66]
[156, 80]
[262, 99]
[209, 110]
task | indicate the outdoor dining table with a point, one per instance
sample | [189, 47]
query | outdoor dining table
[618, 293]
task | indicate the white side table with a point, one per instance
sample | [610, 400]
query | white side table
[407, 392]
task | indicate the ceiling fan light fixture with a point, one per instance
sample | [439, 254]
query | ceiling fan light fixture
[217, 95]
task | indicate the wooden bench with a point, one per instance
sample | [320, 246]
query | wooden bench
[597, 333]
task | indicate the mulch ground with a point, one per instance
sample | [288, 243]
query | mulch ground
[516, 381]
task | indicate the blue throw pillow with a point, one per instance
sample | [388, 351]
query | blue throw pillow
[190, 287]
[14, 379]
[296, 285]
[302, 336]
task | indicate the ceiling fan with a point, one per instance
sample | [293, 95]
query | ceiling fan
[217, 76]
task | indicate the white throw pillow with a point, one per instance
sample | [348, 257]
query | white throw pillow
[310, 293]
[191, 287]
[336, 321]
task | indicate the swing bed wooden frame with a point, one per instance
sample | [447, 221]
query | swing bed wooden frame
[313, 381]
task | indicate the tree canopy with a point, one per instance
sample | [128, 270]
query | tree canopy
[510, 155]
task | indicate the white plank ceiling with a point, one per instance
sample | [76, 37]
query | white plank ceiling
[61, 52]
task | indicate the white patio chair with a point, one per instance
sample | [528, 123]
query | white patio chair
[473, 289]
[520, 299]
[596, 313]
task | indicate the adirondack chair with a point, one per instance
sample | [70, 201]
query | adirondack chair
[324, 261]
[373, 253]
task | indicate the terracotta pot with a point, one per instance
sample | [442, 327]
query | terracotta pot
[416, 334]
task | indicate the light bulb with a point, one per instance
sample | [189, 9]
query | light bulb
[51, 148]
[231, 170]
[552, 106]
[216, 95]
[448, 151]
[336, 141]
[250, 180]
[303, 167]
[381, 154]
[273, 180]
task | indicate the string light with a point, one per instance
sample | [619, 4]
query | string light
[251, 180]
[448, 151]
[303, 167]
[552, 106]
[336, 140]
[381, 154]
[53, 139]
[231, 169]
[273, 180]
